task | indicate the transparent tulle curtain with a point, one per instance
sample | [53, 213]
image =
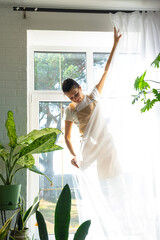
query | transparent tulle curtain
[127, 207]
[136, 134]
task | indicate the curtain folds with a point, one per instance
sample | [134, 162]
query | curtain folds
[127, 207]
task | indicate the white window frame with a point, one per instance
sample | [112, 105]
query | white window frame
[102, 43]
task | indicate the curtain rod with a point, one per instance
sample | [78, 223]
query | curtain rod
[35, 9]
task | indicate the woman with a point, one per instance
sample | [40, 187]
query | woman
[99, 171]
[74, 92]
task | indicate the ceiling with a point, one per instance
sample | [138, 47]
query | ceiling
[87, 4]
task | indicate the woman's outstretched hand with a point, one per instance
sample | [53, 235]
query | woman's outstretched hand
[74, 162]
[117, 36]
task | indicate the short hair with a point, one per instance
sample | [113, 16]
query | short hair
[68, 84]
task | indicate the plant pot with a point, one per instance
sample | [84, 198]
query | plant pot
[19, 234]
[9, 196]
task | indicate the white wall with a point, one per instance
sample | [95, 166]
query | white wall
[13, 58]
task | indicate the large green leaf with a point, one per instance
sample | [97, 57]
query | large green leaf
[62, 214]
[11, 128]
[34, 169]
[26, 160]
[33, 135]
[40, 145]
[42, 228]
[82, 231]
[156, 62]
[140, 84]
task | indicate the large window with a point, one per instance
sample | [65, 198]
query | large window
[48, 67]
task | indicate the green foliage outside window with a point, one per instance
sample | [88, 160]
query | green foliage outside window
[51, 68]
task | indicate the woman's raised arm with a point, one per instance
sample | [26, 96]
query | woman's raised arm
[100, 85]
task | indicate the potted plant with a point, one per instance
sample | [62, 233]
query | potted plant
[18, 155]
[62, 220]
[144, 89]
[20, 230]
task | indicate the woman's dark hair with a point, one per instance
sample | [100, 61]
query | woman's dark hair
[68, 84]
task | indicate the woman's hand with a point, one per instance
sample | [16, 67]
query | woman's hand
[74, 162]
[117, 36]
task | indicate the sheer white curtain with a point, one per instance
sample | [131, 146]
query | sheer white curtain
[136, 134]
[127, 207]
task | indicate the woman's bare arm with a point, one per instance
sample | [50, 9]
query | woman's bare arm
[68, 130]
[100, 85]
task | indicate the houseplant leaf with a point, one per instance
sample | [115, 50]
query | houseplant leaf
[33, 135]
[4, 154]
[42, 228]
[156, 62]
[40, 145]
[1, 146]
[82, 231]
[34, 169]
[26, 160]
[6, 227]
[11, 128]
[148, 105]
[19, 221]
[30, 212]
[62, 214]
[140, 84]
[156, 93]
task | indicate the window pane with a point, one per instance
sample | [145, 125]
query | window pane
[55, 166]
[51, 68]
[99, 61]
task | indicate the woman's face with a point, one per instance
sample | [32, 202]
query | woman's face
[75, 94]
